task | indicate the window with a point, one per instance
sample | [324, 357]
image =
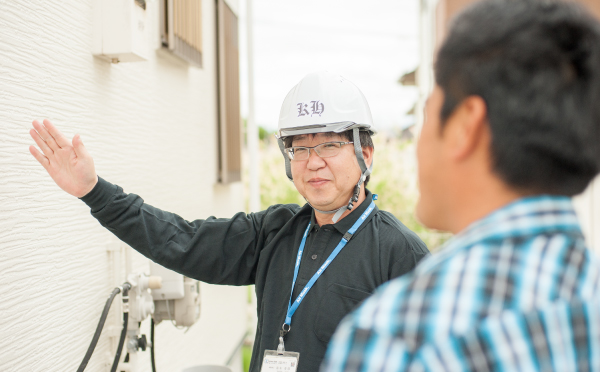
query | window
[181, 29]
[229, 127]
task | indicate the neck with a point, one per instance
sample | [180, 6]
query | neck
[478, 203]
[327, 218]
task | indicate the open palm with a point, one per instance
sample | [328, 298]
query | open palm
[67, 162]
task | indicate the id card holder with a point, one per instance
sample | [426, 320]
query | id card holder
[280, 361]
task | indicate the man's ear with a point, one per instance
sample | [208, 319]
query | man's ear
[368, 155]
[467, 128]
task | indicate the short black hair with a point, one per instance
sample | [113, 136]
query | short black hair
[536, 64]
[365, 141]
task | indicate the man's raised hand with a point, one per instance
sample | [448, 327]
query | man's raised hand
[67, 162]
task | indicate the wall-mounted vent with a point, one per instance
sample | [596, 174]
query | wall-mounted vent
[181, 29]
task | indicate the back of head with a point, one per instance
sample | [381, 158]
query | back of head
[536, 63]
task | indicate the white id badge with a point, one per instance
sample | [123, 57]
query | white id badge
[275, 361]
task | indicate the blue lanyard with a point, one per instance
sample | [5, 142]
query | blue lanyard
[292, 307]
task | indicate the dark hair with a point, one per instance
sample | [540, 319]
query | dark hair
[536, 63]
[365, 141]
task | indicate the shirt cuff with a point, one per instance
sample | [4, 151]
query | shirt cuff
[100, 195]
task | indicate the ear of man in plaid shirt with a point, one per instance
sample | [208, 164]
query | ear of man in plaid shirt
[512, 132]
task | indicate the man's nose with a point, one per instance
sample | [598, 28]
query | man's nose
[314, 160]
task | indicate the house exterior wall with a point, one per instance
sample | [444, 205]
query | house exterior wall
[446, 9]
[435, 18]
[151, 127]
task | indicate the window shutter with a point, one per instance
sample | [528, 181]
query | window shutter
[230, 136]
[181, 29]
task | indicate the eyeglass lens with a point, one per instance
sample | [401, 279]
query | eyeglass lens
[324, 150]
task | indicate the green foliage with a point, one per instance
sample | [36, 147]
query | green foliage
[264, 134]
[275, 187]
[246, 357]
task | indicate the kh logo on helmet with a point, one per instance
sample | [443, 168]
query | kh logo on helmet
[316, 108]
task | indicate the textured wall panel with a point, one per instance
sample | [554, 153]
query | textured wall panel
[587, 206]
[151, 128]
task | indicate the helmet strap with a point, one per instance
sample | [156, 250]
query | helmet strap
[365, 171]
[358, 152]
[338, 212]
[288, 166]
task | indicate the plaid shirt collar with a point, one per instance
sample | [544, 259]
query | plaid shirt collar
[520, 219]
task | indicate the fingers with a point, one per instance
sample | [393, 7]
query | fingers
[45, 135]
[60, 139]
[40, 142]
[80, 149]
[39, 156]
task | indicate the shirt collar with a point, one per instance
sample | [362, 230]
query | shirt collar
[346, 223]
[521, 218]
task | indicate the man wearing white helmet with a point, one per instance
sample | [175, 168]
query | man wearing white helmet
[304, 118]
[351, 246]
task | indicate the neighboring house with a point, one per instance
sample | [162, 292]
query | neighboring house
[166, 128]
[435, 16]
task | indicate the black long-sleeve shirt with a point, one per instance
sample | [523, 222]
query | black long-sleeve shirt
[261, 249]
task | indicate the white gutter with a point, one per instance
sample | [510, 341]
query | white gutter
[251, 128]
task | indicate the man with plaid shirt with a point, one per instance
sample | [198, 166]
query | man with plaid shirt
[511, 133]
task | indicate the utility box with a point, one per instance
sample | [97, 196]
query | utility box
[177, 299]
[172, 283]
[120, 30]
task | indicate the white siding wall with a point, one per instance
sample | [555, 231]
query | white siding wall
[151, 127]
[587, 206]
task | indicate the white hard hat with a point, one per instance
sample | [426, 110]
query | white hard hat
[324, 102]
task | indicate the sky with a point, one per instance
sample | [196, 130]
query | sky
[371, 43]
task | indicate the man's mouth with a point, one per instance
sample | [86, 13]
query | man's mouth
[317, 182]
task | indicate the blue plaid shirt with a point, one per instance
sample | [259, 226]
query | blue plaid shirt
[516, 290]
